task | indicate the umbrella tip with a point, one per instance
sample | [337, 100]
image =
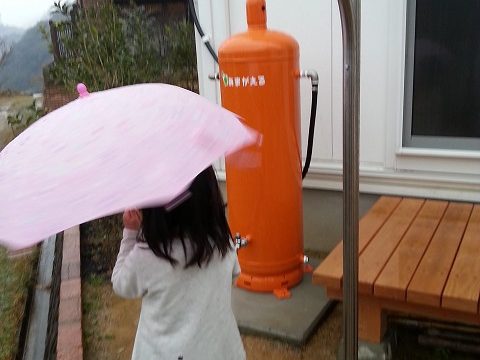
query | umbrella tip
[82, 90]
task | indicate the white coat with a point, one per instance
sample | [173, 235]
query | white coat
[186, 313]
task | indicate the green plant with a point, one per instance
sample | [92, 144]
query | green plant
[181, 65]
[23, 118]
[100, 244]
[63, 8]
[106, 46]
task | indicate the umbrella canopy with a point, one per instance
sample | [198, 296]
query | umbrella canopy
[127, 147]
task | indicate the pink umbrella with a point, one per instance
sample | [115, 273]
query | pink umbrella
[127, 147]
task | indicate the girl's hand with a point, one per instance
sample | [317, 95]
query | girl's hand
[132, 219]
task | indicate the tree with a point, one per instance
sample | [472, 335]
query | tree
[4, 51]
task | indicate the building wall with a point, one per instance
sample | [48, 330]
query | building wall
[386, 167]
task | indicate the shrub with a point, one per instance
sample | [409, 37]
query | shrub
[23, 118]
[106, 46]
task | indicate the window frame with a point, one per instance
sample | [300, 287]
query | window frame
[422, 141]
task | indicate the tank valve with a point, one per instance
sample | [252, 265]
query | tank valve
[307, 268]
[312, 75]
[240, 241]
[215, 76]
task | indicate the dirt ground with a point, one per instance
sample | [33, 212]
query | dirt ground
[109, 325]
[110, 322]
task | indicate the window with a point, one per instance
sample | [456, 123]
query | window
[442, 78]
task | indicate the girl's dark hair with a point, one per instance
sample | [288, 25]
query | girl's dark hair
[200, 220]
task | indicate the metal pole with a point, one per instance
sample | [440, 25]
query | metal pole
[350, 17]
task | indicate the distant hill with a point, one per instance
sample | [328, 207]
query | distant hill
[10, 34]
[23, 68]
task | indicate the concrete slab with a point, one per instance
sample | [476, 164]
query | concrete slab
[323, 217]
[292, 320]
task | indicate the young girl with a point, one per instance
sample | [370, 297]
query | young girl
[180, 260]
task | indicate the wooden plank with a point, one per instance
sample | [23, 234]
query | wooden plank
[379, 250]
[395, 277]
[330, 272]
[463, 285]
[372, 320]
[429, 280]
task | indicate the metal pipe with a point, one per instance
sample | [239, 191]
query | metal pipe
[449, 344]
[428, 323]
[350, 18]
[453, 335]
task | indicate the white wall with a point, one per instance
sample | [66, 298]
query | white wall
[385, 167]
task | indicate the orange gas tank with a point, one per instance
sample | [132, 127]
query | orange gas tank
[259, 79]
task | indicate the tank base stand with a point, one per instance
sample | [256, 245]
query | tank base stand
[282, 293]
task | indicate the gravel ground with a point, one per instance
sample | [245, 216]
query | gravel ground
[322, 345]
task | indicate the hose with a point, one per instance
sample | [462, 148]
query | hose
[205, 38]
[313, 76]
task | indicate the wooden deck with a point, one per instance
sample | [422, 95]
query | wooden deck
[417, 257]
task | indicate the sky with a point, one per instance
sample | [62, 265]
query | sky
[23, 13]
